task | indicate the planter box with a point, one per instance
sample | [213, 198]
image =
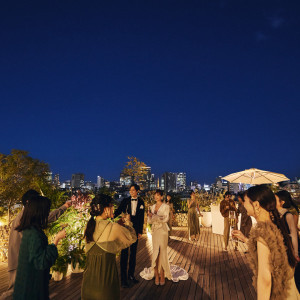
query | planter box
[57, 276]
[218, 220]
[76, 269]
[206, 220]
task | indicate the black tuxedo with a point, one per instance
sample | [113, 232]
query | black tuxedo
[138, 223]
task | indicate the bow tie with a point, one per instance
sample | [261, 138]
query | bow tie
[133, 199]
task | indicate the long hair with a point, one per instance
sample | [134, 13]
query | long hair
[28, 195]
[267, 200]
[160, 192]
[242, 196]
[288, 200]
[171, 200]
[98, 204]
[36, 212]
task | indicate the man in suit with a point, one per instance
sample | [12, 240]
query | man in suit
[135, 207]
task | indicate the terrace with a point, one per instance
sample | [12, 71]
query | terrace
[213, 274]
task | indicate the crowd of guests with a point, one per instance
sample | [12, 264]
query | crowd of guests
[273, 243]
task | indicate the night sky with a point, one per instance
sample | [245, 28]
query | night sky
[204, 87]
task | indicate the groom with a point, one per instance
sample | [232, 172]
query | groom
[134, 206]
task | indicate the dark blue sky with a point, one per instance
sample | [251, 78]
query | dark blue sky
[205, 87]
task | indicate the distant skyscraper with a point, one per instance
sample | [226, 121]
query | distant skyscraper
[125, 179]
[152, 182]
[146, 179]
[77, 180]
[100, 182]
[180, 181]
[66, 185]
[168, 182]
[89, 185]
[56, 180]
[195, 185]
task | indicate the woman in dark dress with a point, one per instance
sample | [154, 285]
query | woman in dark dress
[104, 240]
[284, 203]
[35, 256]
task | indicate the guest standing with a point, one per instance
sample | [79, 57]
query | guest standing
[135, 207]
[104, 240]
[289, 204]
[15, 238]
[227, 205]
[271, 254]
[171, 208]
[284, 203]
[193, 218]
[246, 222]
[160, 268]
[35, 255]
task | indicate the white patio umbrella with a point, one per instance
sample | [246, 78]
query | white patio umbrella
[255, 176]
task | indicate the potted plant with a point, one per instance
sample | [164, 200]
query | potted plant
[59, 269]
[204, 203]
[206, 219]
[77, 259]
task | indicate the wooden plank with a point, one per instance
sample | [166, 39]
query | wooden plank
[156, 291]
[213, 274]
[195, 273]
[223, 274]
[178, 261]
[141, 290]
[186, 266]
[219, 287]
[143, 260]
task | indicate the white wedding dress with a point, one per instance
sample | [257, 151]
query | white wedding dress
[160, 243]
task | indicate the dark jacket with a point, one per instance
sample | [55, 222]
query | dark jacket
[35, 259]
[138, 219]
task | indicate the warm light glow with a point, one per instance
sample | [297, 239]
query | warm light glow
[149, 235]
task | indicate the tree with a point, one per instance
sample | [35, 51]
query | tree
[18, 173]
[136, 169]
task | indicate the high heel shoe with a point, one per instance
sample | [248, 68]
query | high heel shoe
[162, 282]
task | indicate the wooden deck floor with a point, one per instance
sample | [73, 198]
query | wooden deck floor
[213, 274]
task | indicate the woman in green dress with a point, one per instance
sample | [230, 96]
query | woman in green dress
[193, 219]
[35, 255]
[104, 240]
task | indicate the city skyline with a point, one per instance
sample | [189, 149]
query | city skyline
[156, 176]
[207, 87]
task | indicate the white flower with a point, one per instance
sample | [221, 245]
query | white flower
[142, 206]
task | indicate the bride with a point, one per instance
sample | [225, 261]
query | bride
[158, 216]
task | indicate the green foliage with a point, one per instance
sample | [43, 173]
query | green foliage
[58, 198]
[148, 199]
[204, 200]
[106, 191]
[77, 255]
[61, 264]
[179, 204]
[18, 173]
[136, 169]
